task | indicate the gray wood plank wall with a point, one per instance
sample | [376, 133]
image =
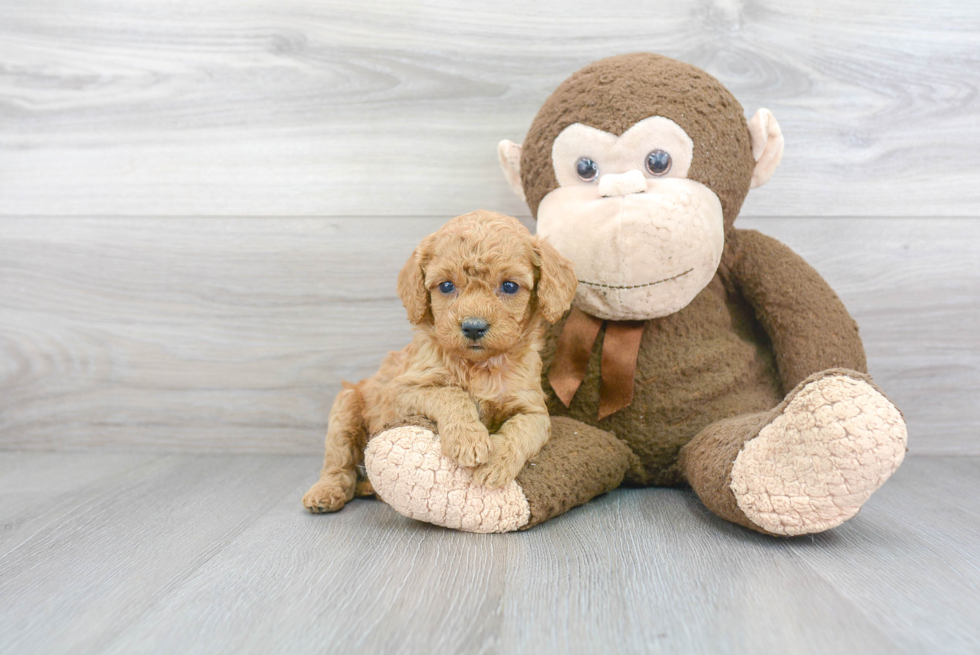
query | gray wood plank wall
[203, 206]
[302, 107]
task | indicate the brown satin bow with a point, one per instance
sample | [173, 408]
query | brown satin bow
[619, 350]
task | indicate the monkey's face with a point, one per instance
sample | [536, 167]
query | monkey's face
[635, 167]
[643, 238]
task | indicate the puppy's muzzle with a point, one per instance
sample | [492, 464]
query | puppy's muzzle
[474, 328]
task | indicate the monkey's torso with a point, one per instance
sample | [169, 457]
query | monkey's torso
[709, 361]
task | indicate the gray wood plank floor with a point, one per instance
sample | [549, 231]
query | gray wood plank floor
[214, 554]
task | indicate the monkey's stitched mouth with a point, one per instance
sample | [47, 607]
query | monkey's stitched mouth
[636, 286]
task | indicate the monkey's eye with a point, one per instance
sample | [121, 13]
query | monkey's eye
[447, 287]
[586, 169]
[510, 288]
[658, 162]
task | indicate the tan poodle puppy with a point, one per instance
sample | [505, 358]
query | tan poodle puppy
[479, 291]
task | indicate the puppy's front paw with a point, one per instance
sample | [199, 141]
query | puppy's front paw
[500, 469]
[328, 496]
[468, 444]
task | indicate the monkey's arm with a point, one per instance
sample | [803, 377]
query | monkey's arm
[807, 323]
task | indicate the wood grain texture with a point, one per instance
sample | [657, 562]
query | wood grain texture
[85, 564]
[303, 107]
[928, 514]
[214, 554]
[234, 334]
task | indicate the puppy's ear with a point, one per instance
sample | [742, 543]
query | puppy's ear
[411, 285]
[557, 283]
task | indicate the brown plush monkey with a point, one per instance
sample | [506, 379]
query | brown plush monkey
[695, 352]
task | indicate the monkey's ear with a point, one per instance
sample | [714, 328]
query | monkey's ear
[509, 154]
[411, 286]
[767, 146]
[557, 284]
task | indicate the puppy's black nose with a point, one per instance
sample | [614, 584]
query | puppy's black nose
[474, 328]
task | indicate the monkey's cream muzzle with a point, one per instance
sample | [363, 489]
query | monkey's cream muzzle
[637, 255]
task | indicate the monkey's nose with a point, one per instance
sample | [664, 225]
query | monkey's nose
[474, 328]
[622, 184]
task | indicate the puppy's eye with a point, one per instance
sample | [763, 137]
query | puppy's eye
[658, 162]
[510, 288]
[447, 287]
[586, 169]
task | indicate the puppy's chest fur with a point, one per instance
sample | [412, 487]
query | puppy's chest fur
[490, 386]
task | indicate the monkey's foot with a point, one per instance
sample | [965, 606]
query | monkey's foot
[836, 440]
[409, 472]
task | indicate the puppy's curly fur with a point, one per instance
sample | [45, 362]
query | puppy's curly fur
[484, 393]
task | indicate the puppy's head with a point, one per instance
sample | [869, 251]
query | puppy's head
[482, 284]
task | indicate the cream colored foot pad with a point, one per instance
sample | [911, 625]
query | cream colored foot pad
[813, 467]
[409, 471]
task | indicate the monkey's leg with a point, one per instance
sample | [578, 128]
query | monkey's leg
[807, 465]
[409, 472]
[343, 451]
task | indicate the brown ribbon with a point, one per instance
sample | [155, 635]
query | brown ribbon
[619, 350]
[572, 354]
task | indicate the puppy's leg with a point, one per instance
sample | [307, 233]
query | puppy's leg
[346, 438]
[364, 488]
[464, 438]
[518, 440]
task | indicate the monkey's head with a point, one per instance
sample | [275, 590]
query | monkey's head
[635, 168]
